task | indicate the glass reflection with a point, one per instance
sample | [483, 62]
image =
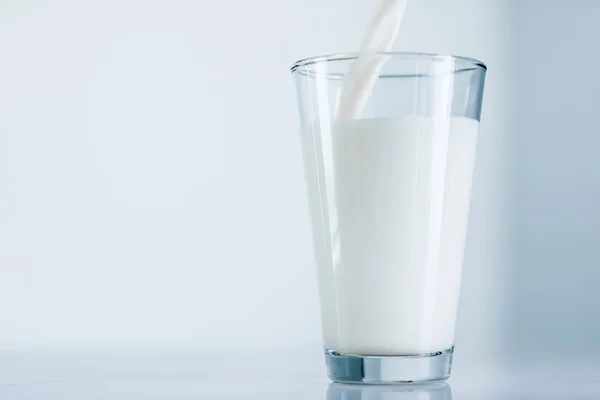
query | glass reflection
[434, 391]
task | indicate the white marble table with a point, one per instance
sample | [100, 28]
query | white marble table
[66, 376]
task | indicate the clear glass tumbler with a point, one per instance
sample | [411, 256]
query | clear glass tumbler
[389, 196]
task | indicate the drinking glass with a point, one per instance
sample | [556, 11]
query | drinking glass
[389, 192]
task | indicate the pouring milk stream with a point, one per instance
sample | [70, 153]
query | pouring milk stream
[380, 37]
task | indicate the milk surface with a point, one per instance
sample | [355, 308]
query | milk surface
[389, 205]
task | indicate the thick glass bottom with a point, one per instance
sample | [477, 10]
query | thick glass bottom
[351, 368]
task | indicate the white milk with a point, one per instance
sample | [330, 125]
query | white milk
[389, 225]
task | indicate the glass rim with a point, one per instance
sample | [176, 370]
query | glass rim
[473, 63]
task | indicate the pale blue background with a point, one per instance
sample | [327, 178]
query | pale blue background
[555, 296]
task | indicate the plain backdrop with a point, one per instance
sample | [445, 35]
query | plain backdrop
[151, 187]
[554, 295]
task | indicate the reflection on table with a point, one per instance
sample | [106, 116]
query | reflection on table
[433, 391]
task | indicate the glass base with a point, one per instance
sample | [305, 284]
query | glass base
[351, 368]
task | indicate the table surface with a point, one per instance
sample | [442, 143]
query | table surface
[49, 376]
